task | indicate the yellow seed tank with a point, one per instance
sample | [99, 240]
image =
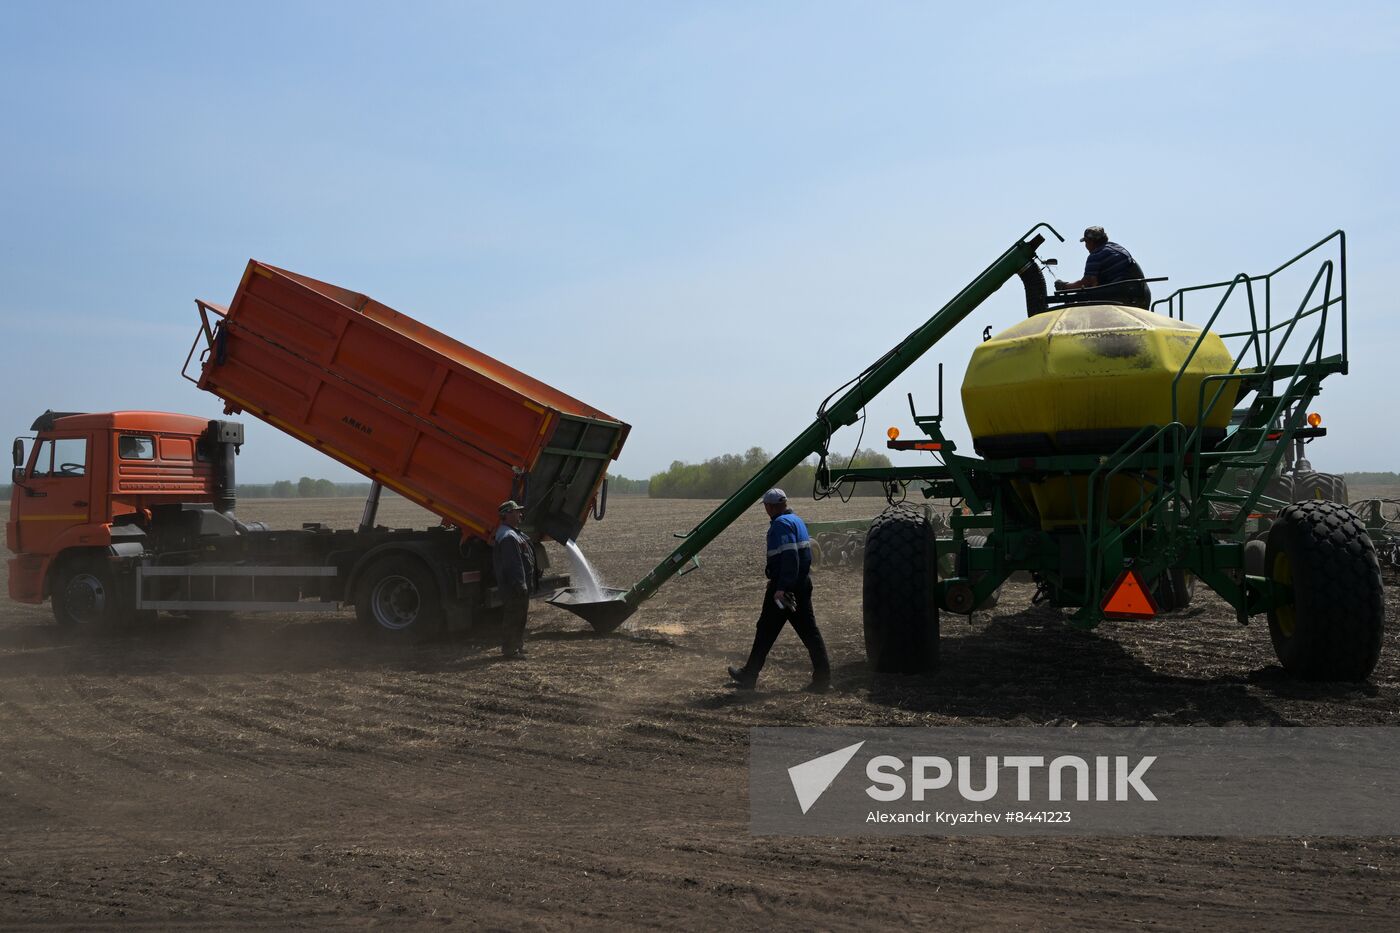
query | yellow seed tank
[1083, 380]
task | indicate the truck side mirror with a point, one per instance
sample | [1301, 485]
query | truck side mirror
[18, 451]
[17, 475]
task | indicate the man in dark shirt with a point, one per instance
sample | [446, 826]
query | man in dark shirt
[514, 563]
[788, 596]
[1110, 264]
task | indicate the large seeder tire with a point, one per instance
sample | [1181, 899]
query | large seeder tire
[901, 617]
[1331, 628]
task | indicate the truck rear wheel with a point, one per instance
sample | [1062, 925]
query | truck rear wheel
[1331, 626]
[85, 594]
[397, 596]
[899, 612]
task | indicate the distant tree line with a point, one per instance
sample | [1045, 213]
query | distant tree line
[718, 477]
[1372, 479]
[304, 488]
[622, 486]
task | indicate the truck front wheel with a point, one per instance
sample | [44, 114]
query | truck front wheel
[85, 594]
[397, 596]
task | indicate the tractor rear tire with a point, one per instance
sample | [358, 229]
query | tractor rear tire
[1327, 487]
[1308, 487]
[1280, 487]
[1332, 626]
[397, 597]
[898, 606]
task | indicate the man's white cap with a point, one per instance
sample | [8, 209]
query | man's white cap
[774, 496]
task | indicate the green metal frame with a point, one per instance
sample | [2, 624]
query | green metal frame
[1185, 518]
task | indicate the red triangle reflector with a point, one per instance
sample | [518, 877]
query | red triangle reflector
[1128, 598]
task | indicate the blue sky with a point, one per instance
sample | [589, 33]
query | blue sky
[700, 218]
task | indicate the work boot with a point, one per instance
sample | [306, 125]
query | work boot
[821, 683]
[742, 678]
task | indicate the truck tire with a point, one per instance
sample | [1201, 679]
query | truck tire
[85, 595]
[899, 612]
[1331, 626]
[398, 597]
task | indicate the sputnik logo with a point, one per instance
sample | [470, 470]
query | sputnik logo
[811, 778]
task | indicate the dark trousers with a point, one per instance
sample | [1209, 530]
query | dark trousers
[513, 615]
[804, 622]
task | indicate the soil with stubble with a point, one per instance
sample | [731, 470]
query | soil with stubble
[287, 771]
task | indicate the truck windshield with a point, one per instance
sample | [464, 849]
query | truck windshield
[63, 456]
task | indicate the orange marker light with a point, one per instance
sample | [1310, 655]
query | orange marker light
[1314, 419]
[893, 434]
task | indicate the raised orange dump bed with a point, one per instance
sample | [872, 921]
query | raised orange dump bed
[440, 423]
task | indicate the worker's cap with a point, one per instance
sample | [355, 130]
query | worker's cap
[774, 496]
[1093, 235]
[510, 505]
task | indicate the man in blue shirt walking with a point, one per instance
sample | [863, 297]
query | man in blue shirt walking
[1110, 264]
[788, 597]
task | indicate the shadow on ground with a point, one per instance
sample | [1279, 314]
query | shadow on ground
[1034, 668]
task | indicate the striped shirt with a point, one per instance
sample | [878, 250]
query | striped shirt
[1111, 263]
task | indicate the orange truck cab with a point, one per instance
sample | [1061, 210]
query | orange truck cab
[87, 492]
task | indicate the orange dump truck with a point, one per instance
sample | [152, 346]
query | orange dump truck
[122, 513]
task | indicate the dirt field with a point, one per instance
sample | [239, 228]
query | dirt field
[284, 771]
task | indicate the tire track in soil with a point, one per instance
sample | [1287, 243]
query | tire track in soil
[56, 767]
[449, 761]
[158, 720]
[252, 766]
